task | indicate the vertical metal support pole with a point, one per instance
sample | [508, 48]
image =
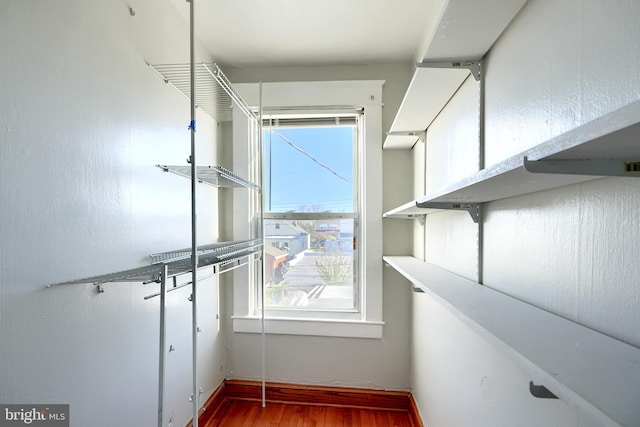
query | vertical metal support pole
[270, 156]
[163, 289]
[425, 182]
[481, 153]
[481, 165]
[262, 284]
[194, 242]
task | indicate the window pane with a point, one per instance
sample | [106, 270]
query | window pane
[310, 264]
[309, 169]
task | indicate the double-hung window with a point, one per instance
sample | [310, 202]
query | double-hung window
[311, 219]
[320, 162]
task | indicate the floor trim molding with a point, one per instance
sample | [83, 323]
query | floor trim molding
[214, 403]
[310, 395]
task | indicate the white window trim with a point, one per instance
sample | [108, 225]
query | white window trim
[366, 94]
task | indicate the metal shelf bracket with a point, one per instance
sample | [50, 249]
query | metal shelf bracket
[474, 209]
[540, 391]
[597, 167]
[473, 65]
[421, 134]
[419, 217]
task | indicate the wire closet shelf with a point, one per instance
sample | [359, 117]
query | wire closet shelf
[214, 92]
[222, 257]
[216, 176]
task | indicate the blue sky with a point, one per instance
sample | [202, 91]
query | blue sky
[297, 179]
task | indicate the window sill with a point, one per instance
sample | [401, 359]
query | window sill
[310, 327]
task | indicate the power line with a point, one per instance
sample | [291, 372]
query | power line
[294, 146]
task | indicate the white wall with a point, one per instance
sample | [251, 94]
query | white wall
[83, 122]
[572, 250]
[373, 363]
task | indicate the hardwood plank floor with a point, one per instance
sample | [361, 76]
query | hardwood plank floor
[246, 413]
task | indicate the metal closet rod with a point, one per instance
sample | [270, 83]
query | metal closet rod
[215, 273]
[175, 288]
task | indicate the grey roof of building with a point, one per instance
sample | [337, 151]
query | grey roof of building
[286, 229]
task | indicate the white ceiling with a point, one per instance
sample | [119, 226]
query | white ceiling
[244, 33]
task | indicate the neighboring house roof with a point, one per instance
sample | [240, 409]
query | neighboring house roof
[274, 252]
[282, 237]
[285, 229]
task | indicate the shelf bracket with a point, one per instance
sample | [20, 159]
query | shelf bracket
[540, 391]
[474, 209]
[473, 65]
[417, 289]
[600, 167]
[421, 134]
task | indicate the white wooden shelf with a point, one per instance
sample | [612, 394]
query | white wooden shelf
[428, 92]
[613, 136]
[584, 368]
[458, 34]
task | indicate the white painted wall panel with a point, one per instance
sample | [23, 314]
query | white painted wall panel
[397, 236]
[84, 121]
[571, 251]
[350, 362]
[419, 153]
[451, 242]
[452, 149]
[452, 152]
[560, 65]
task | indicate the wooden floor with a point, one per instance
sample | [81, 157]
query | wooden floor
[245, 413]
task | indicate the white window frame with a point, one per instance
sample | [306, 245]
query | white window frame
[352, 313]
[322, 95]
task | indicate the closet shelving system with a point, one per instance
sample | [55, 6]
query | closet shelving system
[207, 88]
[584, 368]
[165, 267]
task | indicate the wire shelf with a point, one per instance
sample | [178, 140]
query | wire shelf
[146, 274]
[212, 175]
[221, 250]
[222, 256]
[214, 92]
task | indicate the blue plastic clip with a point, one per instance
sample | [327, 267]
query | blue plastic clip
[192, 125]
